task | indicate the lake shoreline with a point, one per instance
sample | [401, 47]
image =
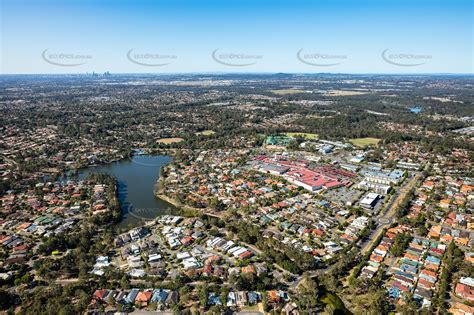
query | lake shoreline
[136, 177]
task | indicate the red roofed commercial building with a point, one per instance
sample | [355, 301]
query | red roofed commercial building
[333, 184]
[312, 180]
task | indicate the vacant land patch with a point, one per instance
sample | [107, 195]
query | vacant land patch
[169, 140]
[287, 91]
[343, 93]
[302, 134]
[364, 142]
[206, 133]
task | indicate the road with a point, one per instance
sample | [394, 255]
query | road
[383, 220]
[386, 218]
[66, 281]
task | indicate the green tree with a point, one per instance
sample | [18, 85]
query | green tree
[308, 294]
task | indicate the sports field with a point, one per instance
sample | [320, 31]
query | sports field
[364, 142]
[169, 140]
[302, 134]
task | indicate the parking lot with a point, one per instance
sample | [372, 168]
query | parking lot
[343, 195]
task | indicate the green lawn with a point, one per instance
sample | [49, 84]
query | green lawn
[206, 133]
[364, 142]
[302, 134]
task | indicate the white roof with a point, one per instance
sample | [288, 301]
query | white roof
[467, 281]
[369, 198]
[183, 255]
[97, 272]
[240, 251]
[137, 273]
[154, 257]
[236, 248]
[190, 263]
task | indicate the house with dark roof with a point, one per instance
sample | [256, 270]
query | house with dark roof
[172, 298]
[130, 298]
[159, 296]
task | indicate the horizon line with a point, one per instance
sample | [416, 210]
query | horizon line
[244, 73]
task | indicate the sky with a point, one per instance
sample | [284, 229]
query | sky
[182, 36]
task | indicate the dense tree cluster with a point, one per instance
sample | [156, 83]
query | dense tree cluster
[285, 256]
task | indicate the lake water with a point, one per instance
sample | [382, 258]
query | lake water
[416, 109]
[136, 178]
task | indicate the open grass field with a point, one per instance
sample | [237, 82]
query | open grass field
[206, 133]
[287, 91]
[343, 93]
[364, 142]
[169, 140]
[302, 134]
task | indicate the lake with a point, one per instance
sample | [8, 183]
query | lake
[136, 178]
